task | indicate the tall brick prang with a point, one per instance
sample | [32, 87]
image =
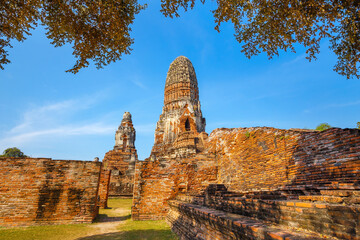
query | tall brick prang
[179, 136]
[178, 131]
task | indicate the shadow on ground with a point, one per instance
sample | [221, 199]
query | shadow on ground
[106, 218]
[133, 235]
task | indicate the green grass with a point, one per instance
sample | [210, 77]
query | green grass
[124, 203]
[53, 232]
[153, 230]
[119, 211]
[117, 203]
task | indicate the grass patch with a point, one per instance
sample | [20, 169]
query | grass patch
[53, 232]
[119, 210]
[118, 213]
[124, 203]
[150, 230]
[118, 207]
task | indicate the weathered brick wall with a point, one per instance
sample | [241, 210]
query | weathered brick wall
[255, 159]
[281, 181]
[104, 184]
[44, 191]
[121, 163]
[157, 182]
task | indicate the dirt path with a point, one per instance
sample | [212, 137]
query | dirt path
[105, 227]
[109, 220]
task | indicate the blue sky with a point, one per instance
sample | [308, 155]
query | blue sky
[49, 113]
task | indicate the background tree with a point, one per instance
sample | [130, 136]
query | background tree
[323, 126]
[99, 29]
[13, 152]
[358, 125]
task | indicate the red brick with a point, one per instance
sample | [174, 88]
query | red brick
[45, 191]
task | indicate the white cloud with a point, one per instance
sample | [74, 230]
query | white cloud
[295, 60]
[56, 120]
[344, 104]
[139, 84]
[52, 114]
[60, 131]
[136, 80]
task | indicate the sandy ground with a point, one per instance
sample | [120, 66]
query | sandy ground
[107, 224]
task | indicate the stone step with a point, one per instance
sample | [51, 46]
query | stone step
[266, 196]
[340, 193]
[331, 199]
[334, 196]
[199, 223]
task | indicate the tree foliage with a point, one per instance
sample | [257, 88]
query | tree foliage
[323, 126]
[99, 29]
[274, 25]
[13, 152]
[358, 125]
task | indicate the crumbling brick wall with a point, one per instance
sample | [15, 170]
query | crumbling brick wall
[281, 181]
[157, 182]
[121, 163]
[104, 185]
[44, 191]
[255, 159]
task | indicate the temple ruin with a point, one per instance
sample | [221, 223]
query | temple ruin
[245, 183]
[237, 183]
[181, 124]
[121, 160]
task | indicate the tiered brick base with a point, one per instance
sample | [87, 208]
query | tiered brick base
[194, 222]
[219, 214]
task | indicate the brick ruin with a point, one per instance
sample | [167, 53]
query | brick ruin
[117, 176]
[276, 184]
[121, 160]
[179, 136]
[37, 191]
[181, 126]
[245, 183]
[239, 183]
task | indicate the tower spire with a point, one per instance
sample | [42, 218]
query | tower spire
[181, 118]
[125, 135]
